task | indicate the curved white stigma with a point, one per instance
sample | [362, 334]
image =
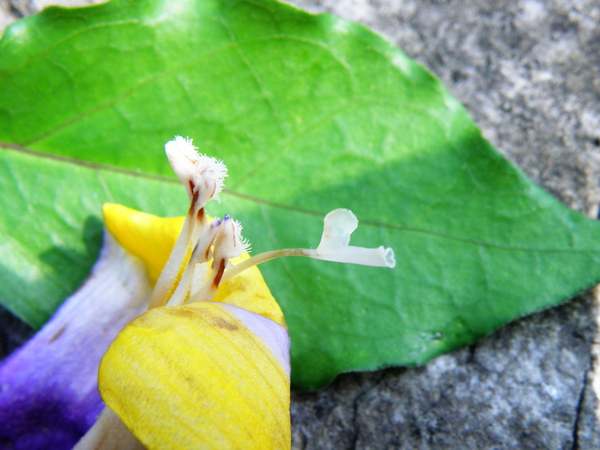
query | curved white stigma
[339, 225]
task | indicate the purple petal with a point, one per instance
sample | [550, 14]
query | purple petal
[271, 333]
[48, 388]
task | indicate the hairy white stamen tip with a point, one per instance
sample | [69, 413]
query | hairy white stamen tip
[241, 240]
[231, 243]
[210, 173]
[197, 172]
[182, 156]
[183, 146]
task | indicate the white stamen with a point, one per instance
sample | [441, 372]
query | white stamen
[198, 173]
[182, 156]
[201, 254]
[230, 243]
[183, 146]
[241, 242]
[212, 172]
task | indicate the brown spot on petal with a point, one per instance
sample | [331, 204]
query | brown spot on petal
[222, 323]
[57, 334]
[184, 312]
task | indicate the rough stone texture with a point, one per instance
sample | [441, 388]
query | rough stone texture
[522, 387]
[527, 71]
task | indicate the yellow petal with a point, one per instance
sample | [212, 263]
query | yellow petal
[151, 239]
[204, 375]
[249, 291]
[146, 236]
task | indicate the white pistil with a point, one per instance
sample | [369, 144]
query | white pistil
[339, 225]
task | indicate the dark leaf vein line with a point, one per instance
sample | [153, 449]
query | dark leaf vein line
[88, 164]
[274, 204]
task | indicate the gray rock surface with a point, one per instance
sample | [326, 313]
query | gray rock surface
[527, 70]
[523, 387]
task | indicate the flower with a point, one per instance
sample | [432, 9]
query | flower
[206, 366]
[48, 388]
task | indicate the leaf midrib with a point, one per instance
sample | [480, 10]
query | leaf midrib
[274, 204]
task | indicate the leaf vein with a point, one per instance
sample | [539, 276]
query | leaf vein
[297, 209]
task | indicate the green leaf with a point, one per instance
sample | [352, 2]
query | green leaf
[310, 113]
